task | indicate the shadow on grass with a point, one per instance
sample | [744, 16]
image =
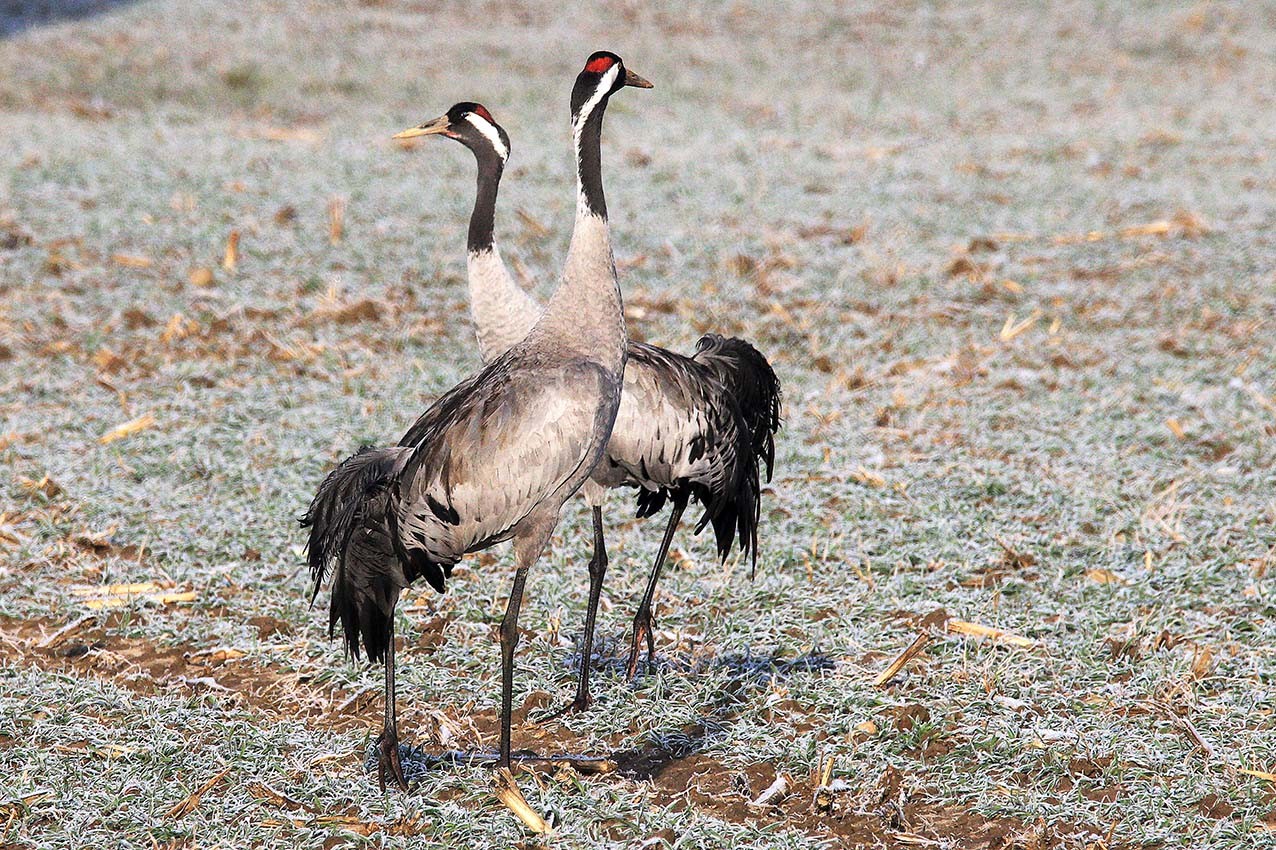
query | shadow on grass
[16, 16]
[746, 674]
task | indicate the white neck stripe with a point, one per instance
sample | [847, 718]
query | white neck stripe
[489, 132]
[604, 86]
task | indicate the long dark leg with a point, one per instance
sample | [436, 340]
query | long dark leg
[597, 570]
[388, 744]
[642, 620]
[509, 640]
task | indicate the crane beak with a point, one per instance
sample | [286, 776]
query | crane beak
[430, 128]
[632, 79]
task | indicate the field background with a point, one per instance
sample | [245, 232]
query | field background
[1013, 262]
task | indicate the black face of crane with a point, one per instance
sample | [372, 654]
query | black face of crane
[458, 113]
[604, 74]
[472, 125]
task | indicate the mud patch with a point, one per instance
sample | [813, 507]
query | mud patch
[885, 812]
[880, 814]
[888, 810]
[92, 651]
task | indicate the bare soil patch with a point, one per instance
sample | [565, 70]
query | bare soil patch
[92, 651]
[880, 813]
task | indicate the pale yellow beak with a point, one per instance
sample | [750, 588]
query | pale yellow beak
[632, 79]
[430, 128]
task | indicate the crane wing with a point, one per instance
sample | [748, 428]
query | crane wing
[495, 448]
[676, 423]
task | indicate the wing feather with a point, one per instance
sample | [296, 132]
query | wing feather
[676, 423]
[497, 447]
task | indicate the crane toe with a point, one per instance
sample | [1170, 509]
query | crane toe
[578, 705]
[642, 634]
[389, 762]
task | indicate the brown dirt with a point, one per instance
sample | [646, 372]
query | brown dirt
[885, 811]
[92, 651]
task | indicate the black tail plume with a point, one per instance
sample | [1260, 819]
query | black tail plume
[747, 374]
[735, 515]
[752, 383]
[349, 529]
[733, 510]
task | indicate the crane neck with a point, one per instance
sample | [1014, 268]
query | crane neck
[502, 312]
[589, 255]
[586, 313]
[483, 217]
[587, 133]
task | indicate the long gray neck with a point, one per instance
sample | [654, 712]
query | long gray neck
[502, 312]
[586, 314]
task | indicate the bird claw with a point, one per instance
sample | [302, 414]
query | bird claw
[579, 705]
[388, 760]
[642, 631]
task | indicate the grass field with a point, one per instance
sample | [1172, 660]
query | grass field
[1013, 264]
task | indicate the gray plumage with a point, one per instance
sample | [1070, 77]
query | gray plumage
[698, 427]
[493, 459]
[521, 436]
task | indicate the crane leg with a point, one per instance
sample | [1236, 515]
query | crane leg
[509, 640]
[388, 762]
[642, 620]
[530, 537]
[597, 570]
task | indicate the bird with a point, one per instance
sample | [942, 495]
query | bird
[494, 458]
[503, 311]
[689, 428]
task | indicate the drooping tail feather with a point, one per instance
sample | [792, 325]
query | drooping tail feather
[740, 517]
[349, 530]
[733, 510]
[753, 383]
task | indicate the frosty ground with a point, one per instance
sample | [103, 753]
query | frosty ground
[1014, 268]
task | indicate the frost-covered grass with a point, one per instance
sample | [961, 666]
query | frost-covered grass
[1014, 267]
